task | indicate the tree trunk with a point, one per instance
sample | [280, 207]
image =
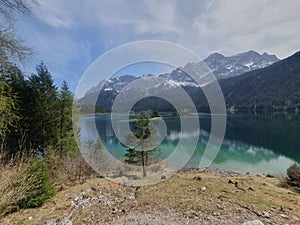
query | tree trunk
[143, 163]
[61, 129]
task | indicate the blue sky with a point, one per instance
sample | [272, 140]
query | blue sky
[69, 35]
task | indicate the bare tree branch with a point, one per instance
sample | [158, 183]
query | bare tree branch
[17, 5]
[12, 47]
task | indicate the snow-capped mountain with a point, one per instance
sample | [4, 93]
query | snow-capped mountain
[231, 66]
[114, 84]
[190, 78]
[184, 76]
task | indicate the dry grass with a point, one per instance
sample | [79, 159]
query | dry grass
[244, 198]
[23, 185]
[9, 192]
[68, 171]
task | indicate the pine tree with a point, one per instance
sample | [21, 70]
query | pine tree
[8, 117]
[14, 79]
[143, 144]
[12, 50]
[66, 139]
[45, 109]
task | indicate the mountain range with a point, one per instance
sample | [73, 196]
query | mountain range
[273, 88]
[224, 67]
[249, 81]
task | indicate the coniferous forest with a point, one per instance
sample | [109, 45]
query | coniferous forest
[38, 150]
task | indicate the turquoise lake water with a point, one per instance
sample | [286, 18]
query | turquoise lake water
[252, 143]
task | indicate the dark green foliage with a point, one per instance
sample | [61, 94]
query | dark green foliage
[132, 156]
[39, 186]
[43, 115]
[28, 189]
[154, 103]
[8, 113]
[35, 123]
[293, 173]
[22, 102]
[155, 113]
[141, 127]
[45, 109]
[66, 139]
[270, 175]
[274, 88]
[141, 145]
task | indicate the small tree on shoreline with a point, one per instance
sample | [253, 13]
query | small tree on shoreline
[141, 142]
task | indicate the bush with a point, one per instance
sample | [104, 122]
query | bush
[69, 169]
[27, 189]
[39, 188]
[293, 173]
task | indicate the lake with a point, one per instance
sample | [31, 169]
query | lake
[263, 144]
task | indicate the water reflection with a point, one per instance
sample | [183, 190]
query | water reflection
[253, 143]
[277, 132]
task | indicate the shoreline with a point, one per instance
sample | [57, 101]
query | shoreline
[229, 172]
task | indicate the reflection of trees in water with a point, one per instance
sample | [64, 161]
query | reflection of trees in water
[277, 132]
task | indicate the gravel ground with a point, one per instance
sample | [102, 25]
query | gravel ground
[162, 218]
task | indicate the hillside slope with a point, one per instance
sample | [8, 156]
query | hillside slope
[276, 87]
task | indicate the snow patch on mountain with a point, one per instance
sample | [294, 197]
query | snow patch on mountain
[191, 75]
[231, 66]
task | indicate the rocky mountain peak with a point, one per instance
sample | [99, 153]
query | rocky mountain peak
[231, 66]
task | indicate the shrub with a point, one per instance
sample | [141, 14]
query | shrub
[293, 173]
[30, 188]
[39, 186]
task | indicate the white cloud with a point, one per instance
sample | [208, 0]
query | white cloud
[258, 25]
[70, 34]
[55, 12]
[201, 25]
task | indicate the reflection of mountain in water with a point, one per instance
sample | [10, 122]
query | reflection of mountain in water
[230, 151]
[277, 132]
[260, 143]
[238, 151]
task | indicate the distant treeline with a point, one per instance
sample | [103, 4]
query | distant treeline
[274, 88]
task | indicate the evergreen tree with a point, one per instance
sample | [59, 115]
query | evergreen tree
[18, 86]
[66, 139]
[12, 49]
[7, 111]
[132, 156]
[155, 113]
[45, 109]
[143, 145]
